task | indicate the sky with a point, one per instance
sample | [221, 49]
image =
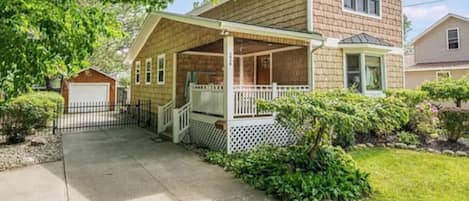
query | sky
[422, 16]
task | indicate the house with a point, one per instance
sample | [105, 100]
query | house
[88, 89]
[440, 51]
[205, 70]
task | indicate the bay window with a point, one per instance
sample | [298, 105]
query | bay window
[364, 73]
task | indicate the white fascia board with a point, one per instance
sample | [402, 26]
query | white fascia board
[366, 47]
[148, 26]
[436, 69]
[265, 31]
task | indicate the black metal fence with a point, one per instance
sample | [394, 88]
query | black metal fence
[96, 115]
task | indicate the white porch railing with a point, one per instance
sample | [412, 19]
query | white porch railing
[165, 116]
[208, 99]
[246, 96]
[181, 122]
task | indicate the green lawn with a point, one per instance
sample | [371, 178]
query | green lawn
[400, 175]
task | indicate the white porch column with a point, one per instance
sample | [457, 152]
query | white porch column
[228, 78]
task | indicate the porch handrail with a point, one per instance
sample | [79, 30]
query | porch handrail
[165, 116]
[181, 122]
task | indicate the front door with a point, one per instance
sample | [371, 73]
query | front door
[263, 70]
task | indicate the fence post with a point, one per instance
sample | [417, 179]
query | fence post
[274, 90]
[160, 119]
[176, 126]
[138, 112]
[54, 123]
[149, 124]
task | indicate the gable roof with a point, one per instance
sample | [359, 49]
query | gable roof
[95, 70]
[153, 19]
[438, 23]
[364, 38]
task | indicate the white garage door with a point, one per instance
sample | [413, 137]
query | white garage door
[83, 95]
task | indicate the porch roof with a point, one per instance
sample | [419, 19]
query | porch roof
[225, 26]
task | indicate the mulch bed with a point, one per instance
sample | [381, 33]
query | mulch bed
[438, 144]
[25, 154]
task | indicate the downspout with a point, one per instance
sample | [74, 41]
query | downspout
[311, 59]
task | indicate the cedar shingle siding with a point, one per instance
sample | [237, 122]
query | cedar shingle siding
[331, 21]
[283, 14]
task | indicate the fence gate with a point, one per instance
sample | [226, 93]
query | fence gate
[96, 115]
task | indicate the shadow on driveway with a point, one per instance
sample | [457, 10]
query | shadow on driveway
[125, 165]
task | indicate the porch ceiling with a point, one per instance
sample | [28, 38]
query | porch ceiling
[241, 47]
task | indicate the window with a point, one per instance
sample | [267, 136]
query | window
[353, 72]
[367, 78]
[148, 71]
[367, 7]
[161, 68]
[443, 74]
[373, 73]
[453, 38]
[137, 72]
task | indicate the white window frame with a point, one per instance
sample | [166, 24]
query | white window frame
[348, 10]
[163, 70]
[148, 81]
[363, 54]
[138, 75]
[438, 74]
[447, 38]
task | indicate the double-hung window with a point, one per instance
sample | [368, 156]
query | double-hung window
[367, 7]
[148, 71]
[365, 73]
[161, 69]
[453, 38]
[137, 72]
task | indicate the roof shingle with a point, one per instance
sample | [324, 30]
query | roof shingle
[364, 38]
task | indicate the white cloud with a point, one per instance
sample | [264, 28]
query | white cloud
[421, 13]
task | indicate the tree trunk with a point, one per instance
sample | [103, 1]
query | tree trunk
[459, 103]
[49, 86]
[313, 151]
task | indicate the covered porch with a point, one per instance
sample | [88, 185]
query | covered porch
[259, 70]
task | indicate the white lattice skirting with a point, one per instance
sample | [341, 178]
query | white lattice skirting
[206, 135]
[245, 138]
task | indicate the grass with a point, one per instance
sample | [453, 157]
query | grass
[401, 175]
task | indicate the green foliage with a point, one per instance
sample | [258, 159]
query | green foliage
[408, 138]
[28, 112]
[339, 114]
[448, 89]
[410, 97]
[424, 119]
[290, 174]
[455, 121]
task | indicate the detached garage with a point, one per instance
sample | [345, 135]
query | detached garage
[88, 87]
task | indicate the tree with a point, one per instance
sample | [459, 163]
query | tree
[448, 89]
[407, 27]
[40, 39]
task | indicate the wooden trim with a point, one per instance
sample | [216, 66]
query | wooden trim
[161, 56]
[148, 60]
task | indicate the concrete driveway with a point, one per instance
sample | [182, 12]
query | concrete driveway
[125, 165]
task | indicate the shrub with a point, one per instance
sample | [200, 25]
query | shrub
[408, 138]
[290, 174]
[28, 112]
[410, 97]
[338, 115]
[455, 121]
[424, 119]
[448, 90]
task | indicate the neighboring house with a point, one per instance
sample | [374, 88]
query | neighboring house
[440, 51]
[215, 62]
[89, 91]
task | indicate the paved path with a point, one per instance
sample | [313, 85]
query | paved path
[34, 183]
[125, 165]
